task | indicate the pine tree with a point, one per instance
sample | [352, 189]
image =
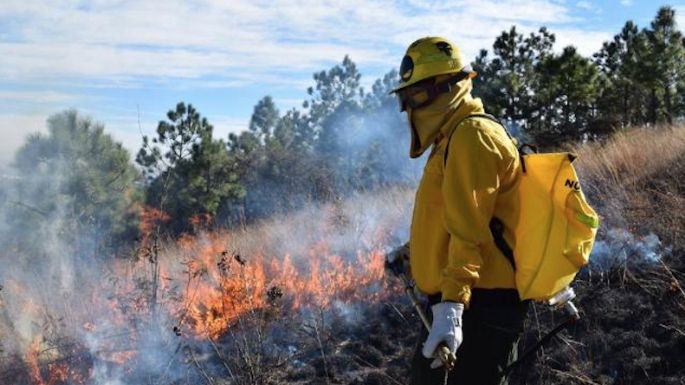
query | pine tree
[516, 59]
[666, 65]
[507, 82]
[622, 98]
[190, 173]
[565, 95]
[77, 188]
[643, 73]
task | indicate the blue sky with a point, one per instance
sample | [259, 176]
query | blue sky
[122, 62]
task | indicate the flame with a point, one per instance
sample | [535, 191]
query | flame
[120, 357]
[227, 287]
[32, 361]
[150, 219]
[201, 285]
[57, 372]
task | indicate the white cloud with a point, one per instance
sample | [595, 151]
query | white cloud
[67, 44]
[224, 125]
[584, 5]
[36, 96]
[239, 42]
[626, 3]
[587, 42]
[680, 16]
[589, 6]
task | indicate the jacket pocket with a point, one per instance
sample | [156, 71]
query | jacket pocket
[582, 224]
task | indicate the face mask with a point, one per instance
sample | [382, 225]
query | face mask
[425, 122]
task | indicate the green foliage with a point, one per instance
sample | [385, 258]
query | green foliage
[621, 66]
[380, 97]
[190, 173]
[567, 90]
[509, 79]
[666, 65]
[264, 118]
[510, 82]
[644, 73]
[76, 184]
[337, 86]
[345, 140]
[637, 78]
[271, 160]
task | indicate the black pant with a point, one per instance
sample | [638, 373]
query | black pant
[492, 327]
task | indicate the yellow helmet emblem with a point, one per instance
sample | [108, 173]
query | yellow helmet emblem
[428, 57]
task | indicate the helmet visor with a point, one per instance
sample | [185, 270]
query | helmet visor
[423, 92]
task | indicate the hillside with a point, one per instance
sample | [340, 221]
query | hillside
[631, 298]
[302, 298]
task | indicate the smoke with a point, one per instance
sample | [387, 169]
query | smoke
[65, 300]
[619, 247]
[195, 307]
[379, 140]
[97, 317]
[357, 147]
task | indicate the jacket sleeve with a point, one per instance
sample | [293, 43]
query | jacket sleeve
[476, 160]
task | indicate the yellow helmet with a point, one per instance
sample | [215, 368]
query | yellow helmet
[429, 57]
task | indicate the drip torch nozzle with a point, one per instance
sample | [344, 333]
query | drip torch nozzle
[563, 299]
[572, 310]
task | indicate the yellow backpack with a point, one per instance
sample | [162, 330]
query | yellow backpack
[556, 228]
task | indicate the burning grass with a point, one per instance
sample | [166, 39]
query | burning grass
[302, 298]
[203, 306]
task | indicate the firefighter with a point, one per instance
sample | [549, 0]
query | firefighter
[465, 210]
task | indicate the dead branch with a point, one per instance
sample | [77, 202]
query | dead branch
[578, 377]
[199, 367]
[673, 328]
[675, 282]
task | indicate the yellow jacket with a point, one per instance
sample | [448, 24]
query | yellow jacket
[451, 246]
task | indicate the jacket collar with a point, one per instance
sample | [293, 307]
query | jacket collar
[468, 106]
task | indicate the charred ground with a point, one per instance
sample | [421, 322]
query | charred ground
[632, 329]
[330, 317]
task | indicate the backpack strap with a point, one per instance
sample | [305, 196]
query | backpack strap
[479, 115]
[521, 149]
[496, 225]
[497, 230]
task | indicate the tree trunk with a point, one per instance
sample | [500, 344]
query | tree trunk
[653, 105]
[667, 103]
[626, 117]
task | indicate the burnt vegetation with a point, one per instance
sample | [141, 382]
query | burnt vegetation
[257, 258]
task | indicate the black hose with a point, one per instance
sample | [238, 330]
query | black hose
[542, 342]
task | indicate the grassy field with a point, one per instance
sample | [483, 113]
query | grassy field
[301, 298]
[633, 307]
[636, 180]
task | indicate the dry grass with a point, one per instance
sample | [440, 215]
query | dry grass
[636, 181]
[631, 156]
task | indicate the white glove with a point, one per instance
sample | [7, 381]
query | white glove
[446, 328]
